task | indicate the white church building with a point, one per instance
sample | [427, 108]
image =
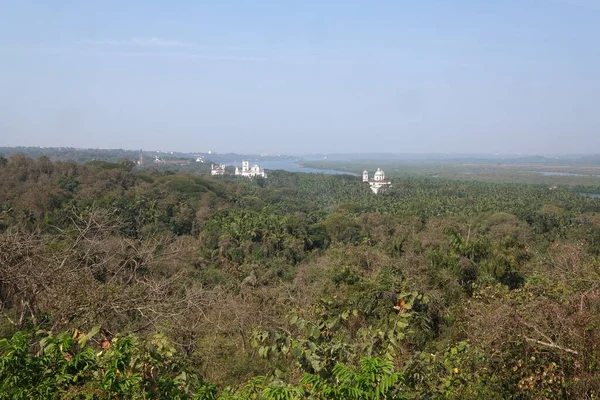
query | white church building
[250, 172]
[378, 182]
[216, 170]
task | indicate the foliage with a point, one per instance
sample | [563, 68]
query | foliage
[67, 366]
[298, 286]
[376, 379]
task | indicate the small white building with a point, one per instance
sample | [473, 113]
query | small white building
[217, 169]
[250, 172]
[378, 182]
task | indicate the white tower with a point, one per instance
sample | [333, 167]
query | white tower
[365, 176]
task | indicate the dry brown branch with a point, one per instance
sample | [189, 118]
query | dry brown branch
[551, 344]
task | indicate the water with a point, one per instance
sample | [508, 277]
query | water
[291, 166]
[592, 195]
[556, 173]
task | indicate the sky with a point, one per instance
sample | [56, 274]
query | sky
[306, 76]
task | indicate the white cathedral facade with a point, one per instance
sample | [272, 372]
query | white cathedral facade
[378, 182]
[250, 172]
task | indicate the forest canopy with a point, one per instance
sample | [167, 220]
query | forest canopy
[125, 282]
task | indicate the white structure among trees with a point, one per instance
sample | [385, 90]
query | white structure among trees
[378, 182]
[250, 172]
[217, 169]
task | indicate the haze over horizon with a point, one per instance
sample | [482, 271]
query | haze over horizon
[303, 77]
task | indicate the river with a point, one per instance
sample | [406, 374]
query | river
[291, 166]
[592, 195]
[557, 173]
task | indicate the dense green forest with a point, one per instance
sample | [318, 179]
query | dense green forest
[140, 284]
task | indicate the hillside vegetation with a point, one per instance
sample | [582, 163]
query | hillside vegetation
[136, 284]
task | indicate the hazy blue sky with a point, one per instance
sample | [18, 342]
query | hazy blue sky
[302, 76]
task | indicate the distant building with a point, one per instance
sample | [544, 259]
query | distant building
[250, 172]
[217, 169]
[141, 159]
[378, 182]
